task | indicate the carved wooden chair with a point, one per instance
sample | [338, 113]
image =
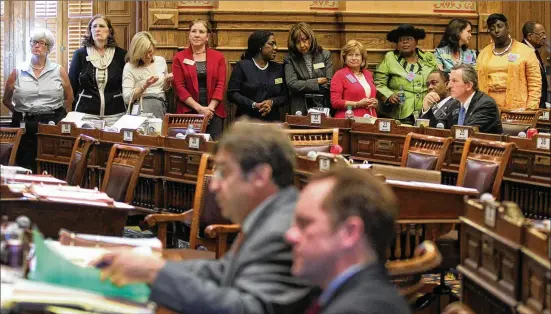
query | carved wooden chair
[9, 144]
[208, 228]
[407, 273]
[79, 159]
[122, 172]
[483, 164]
[319, 140]
[178, 123]
[425, 151]
[514, 121]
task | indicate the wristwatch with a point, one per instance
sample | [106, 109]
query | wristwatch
[254, 105]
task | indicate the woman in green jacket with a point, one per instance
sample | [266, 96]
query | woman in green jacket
[401, 76]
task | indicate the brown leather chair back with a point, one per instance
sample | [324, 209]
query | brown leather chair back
[514, 121]
[79, 159]
[122, 172]
[9, 144]
[319, 140]
[209, 211]
[424, 151]
[178, 123]
[483, 164]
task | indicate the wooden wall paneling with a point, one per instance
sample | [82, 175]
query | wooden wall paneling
[123, 15]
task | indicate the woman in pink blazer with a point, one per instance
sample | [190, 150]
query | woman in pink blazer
[352, 86]
[200, 78]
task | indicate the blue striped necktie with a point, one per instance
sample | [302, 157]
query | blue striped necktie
[461, 119]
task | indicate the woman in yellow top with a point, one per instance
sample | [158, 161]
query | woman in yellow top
[508, 71]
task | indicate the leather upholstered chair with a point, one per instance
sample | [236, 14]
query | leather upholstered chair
[122, 172]
[483, 164]
[514, 121]
[178, 123]
[79, 159]
[318, 140]
[424, 151]
[208, 228]
[9, 144]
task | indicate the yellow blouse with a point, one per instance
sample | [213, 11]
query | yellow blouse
[513, 79]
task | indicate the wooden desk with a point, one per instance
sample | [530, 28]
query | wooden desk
[50, 216]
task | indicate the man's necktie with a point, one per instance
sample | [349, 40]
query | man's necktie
[314, 307]
[461, 118]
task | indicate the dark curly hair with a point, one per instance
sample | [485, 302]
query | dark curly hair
[452, 33]
[88, 40]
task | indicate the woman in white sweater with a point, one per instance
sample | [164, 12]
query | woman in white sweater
[145, 78]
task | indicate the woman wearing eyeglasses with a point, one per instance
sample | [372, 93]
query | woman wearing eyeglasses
[508, 71]
[96, 73]
[257, 83]
[37, 91]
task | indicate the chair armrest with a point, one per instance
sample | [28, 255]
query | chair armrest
[154, 219]
[213, 231]
[426, 257]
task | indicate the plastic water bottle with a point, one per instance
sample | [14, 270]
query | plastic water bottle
[349, 114]
[190, 129]
[402, 95]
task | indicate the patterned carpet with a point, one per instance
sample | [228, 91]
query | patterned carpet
[453, 280]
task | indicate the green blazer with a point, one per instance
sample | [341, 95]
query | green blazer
[394, 72]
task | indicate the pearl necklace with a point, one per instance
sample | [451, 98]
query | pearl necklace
[504, 51]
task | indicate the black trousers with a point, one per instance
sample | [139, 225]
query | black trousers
[26, 154]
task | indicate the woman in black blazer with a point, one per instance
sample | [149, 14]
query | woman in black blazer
[308, 69]
[257, 83]
[96, 73]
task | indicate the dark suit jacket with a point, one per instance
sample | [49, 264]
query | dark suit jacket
[544, 83]
[441, 115]
[82, 75]
[483, 113]
[249, 84]
[256, 279]
[367, 292]
[187, 85]
[299, 82]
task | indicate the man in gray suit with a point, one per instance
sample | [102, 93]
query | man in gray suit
[343, 226]
[253, 183]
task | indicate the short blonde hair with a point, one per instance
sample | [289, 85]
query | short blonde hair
[351, 46]
[45, 35]
[140, 44]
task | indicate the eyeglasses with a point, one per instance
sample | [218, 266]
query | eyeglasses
[539, 34]
[273, 43]
[40, 43]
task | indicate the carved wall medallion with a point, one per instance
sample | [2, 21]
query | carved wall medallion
[455, 7]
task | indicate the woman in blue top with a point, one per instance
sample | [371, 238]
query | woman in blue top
[452, 49]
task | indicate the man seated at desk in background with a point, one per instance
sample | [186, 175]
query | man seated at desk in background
[438, 104]
[476, 108]
[343, 226]
[253, 183]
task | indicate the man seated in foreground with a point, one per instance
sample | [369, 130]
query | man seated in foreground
[343, 226]
[476, 108]
[253, 182]
[438, 104]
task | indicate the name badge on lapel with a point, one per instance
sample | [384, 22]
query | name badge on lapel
[513, 57]
[92, 58]
[320, 65]
[279, 80]
[410, 76]
[189, 62]
[469, 59]
[351, 78]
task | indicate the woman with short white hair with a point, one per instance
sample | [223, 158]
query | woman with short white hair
[37, 91]
[145, 77]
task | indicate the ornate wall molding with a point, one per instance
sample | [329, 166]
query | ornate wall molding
[163, 18]
[455, 7]
[325, 5]
[197, 4]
